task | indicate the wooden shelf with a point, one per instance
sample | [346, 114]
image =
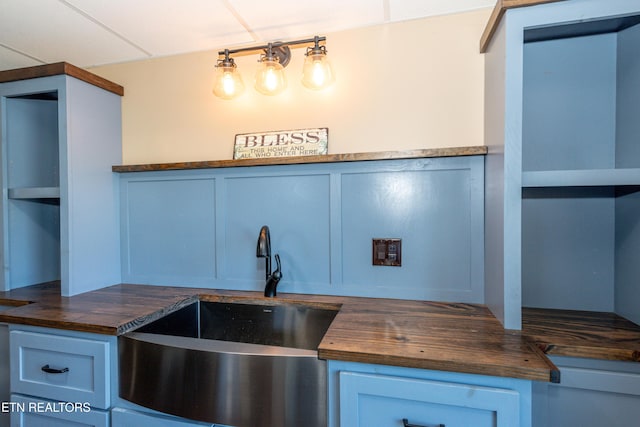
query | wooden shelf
[34, 193]
[581, 178]
[330, 158]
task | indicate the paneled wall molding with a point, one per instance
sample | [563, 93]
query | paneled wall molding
[199, 227]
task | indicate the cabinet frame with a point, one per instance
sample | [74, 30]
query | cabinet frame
[89, 143]
[505, 178]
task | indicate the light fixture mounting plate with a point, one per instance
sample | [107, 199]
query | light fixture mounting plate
[282, 52]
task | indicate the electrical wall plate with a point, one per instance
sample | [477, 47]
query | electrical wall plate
[387, 252]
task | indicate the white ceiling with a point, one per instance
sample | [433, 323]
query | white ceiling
[97, 32]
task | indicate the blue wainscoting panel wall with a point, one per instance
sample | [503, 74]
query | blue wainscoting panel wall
[296, 209]
[170, 231]
[200, 227]
[429, 210]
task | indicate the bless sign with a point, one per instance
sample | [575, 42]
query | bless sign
[285, 143]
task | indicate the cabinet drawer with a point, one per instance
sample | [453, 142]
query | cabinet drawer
[28, 412]
[83, 361]
[368, 400]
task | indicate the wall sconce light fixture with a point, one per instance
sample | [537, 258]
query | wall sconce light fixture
[270, 78]
[228, 83]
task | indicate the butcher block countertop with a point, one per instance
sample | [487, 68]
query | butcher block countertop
[454, 337]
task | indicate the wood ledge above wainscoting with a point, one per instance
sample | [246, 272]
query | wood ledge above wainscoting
[329, 158]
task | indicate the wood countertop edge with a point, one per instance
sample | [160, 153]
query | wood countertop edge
[296, 160]
[78, 326]
[496, 16]
[550, 374]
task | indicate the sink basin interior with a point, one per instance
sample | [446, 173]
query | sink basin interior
[284, 325]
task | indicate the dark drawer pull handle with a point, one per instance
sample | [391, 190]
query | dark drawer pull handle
[405, 423]
[49, 370]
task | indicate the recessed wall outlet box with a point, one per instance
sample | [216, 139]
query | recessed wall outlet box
[387, 252]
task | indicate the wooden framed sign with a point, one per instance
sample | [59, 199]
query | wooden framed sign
[284, 143]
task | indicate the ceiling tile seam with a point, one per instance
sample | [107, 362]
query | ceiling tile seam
[106, 27]
[386, 7]
[22, 53]
[240, 19]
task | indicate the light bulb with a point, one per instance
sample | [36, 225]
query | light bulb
[317, 72]
[228, 82]
[270, 79]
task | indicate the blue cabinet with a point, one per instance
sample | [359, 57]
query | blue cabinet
[61, 367]
[591, 393]
[563, 169]
[59, 136]
[60, 378]
[374, 395]
[562, 180]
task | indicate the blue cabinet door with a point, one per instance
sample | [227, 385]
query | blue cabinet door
[371, 400]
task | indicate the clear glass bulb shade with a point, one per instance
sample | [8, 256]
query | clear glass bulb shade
[270, 79]
[317, 73]
[228, 83]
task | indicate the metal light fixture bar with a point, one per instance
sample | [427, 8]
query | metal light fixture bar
[273, 45]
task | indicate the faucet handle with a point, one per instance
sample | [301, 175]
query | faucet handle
[277, 274]
[270, 288]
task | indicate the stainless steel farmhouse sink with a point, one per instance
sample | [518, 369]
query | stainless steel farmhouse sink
[242, 365]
